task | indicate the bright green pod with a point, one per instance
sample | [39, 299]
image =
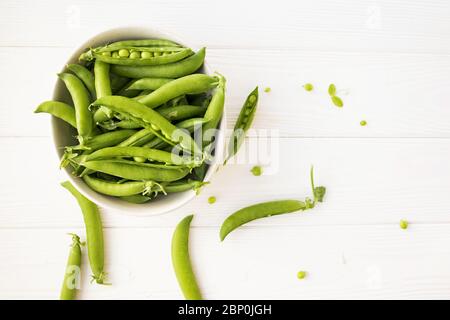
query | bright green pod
[72, 274]
[59, 110]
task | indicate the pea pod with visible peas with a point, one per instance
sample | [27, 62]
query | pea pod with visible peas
[271, 208]
[94, 232]
[72, 275]
[170, 70]
[181, 260]
[243, 123]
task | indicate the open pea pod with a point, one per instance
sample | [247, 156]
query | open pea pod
[136, 56]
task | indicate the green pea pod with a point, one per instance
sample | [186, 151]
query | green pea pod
[138, 139]
[271, 208]
[147, 84]
[144, 43]
[94, 232]
[184, 185]
[182, 112]
[181, 260]
[80, 97]
[191, 84]
[151, 119]
[85, 75]
[136, 199]
[170, 70]
[137, 171]
[72, 275]
[102, 88]
[137, 56]
[243, 123]
[146, 188]
[214, 112]
[59, 110]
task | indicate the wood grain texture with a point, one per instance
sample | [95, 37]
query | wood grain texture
[390, 61]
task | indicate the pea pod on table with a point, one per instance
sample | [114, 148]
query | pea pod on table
[243, 123]
[271, 208]
[94, 232]
[181, 260]
[72, 274]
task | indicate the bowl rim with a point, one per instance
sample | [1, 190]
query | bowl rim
[116, 205]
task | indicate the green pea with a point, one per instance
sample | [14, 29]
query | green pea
[308, 87]
[124, 53]
[337, 101]
[157, 54]
[267, 89]
[211, 200]
[301, 275]
[332, 90]
[404, 224]
[107, 53]
[146, 55]
[363, 123]
[135, 55]
[115, 54]
[256, 170]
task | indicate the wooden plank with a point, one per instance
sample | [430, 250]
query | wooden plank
[383, 26]
[343, 262]
[400, 95]
[369, 181]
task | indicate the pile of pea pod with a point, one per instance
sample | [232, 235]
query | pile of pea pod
[136, 107]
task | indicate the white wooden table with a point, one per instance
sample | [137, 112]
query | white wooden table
[391, 61]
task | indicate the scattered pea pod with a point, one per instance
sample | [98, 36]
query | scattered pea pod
[171, 70]
[181, 260]
[243, 123]
[146, 188]
[268, 209]
[59, 110]
[94, 232]
[72, 274]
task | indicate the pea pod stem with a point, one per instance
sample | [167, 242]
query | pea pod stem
[181, 260]
[72, 274]
[94, 232]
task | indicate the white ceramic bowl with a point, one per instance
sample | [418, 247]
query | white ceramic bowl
[63, 134]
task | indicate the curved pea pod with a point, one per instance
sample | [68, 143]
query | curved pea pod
[146, 153]
[243, 123]
[72, 275]
[85, 75]
[146, 188]
[137, 56]
[214, 112]
[59, 110]
[170, 70]
[137, 171]
[147, 84]
[138, 139]
[80, 97]
[257, 211]
[94, 232]
[181, 260]
[191, 84]
[151, 119]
